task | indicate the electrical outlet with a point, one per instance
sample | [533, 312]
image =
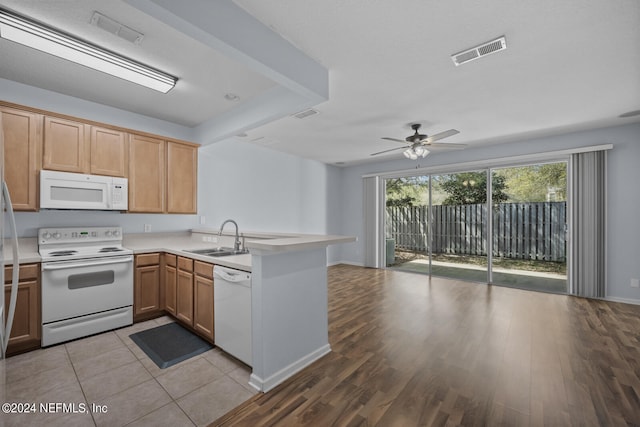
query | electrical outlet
[147, 228]
[635, 283]
[202, 219]
[214, 239]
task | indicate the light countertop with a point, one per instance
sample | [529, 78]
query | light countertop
[281, 242]
[27, 250]
[174, 243]
[178, 243]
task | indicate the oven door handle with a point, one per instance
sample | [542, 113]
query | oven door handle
[63, 265]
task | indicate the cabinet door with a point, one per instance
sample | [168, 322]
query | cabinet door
[146, 174]
[66, 145]
[182, 176]
[108, 152]
[184, 297]
[25, 332]
[22, 147]
[146, 301]
[170, 277]
[203, 316]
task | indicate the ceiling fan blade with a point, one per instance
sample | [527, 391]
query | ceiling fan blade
[386, 151]
[395, 139]
[446, 146]
[441, 135]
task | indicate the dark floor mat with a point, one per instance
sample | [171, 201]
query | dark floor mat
[169, 344]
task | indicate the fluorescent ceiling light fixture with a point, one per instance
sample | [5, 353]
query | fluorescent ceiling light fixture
[31, 34]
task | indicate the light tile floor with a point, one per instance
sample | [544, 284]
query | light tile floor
[111, 371]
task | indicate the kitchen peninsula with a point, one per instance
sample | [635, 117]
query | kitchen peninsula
[289, 290]
[289, 293]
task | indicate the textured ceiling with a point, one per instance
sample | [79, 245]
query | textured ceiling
[569, 65]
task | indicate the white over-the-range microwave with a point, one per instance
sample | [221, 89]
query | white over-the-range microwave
[65, 190]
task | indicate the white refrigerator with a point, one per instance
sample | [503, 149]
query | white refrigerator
[7, 306]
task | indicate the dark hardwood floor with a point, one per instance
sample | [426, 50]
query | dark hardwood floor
[410, 351]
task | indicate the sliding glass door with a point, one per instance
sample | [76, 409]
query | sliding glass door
[458, 224]
[529, 228]
[407, 224]
[442, 225]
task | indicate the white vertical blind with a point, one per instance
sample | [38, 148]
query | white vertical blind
[373, 221]
[588, 239]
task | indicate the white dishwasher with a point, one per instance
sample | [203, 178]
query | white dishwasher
[232, 312]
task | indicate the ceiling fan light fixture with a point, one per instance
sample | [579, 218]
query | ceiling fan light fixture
[31, 34]
[409, 153]
[421, 151]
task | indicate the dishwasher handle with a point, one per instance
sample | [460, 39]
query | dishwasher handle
[230, 275]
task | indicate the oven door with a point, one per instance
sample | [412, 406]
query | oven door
[80, 287]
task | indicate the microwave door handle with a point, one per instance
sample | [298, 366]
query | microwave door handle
[62, 266]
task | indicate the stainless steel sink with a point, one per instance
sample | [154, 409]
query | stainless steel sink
[218, 252]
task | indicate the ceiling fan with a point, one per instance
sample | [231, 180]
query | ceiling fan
[418, 143]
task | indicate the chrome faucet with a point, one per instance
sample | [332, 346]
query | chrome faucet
[236, 243]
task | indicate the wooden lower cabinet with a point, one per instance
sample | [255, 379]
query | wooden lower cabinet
[203, 299]
[184, 291]
[147, 294]
[27, 327]
[170, 283]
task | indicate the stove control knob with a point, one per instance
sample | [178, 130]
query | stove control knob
[108, 233]
[46, 235]
[57, 235]
[116, 233]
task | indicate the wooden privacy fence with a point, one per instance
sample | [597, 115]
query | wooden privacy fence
[534, 231]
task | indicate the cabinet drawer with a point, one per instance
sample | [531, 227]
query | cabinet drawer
[27, 272]
[170, 260]
[147, 259]
[203, 269]
[185, 264]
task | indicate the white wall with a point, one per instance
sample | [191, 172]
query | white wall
[623, 197]
[266, 190]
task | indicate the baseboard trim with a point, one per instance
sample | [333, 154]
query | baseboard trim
[623, 300]
[265, 385]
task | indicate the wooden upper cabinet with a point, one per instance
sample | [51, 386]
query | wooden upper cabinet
[66, 145]
[109, 152]
[146, 174]
[182, 178]
[22, 147]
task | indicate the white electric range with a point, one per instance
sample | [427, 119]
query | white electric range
[87, 282]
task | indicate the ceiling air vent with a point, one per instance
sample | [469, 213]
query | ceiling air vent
[305, 113]
[479, 51]
[116, 28]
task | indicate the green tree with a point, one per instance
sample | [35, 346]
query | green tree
[537, 183]
[407, 191]
[468, 188]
